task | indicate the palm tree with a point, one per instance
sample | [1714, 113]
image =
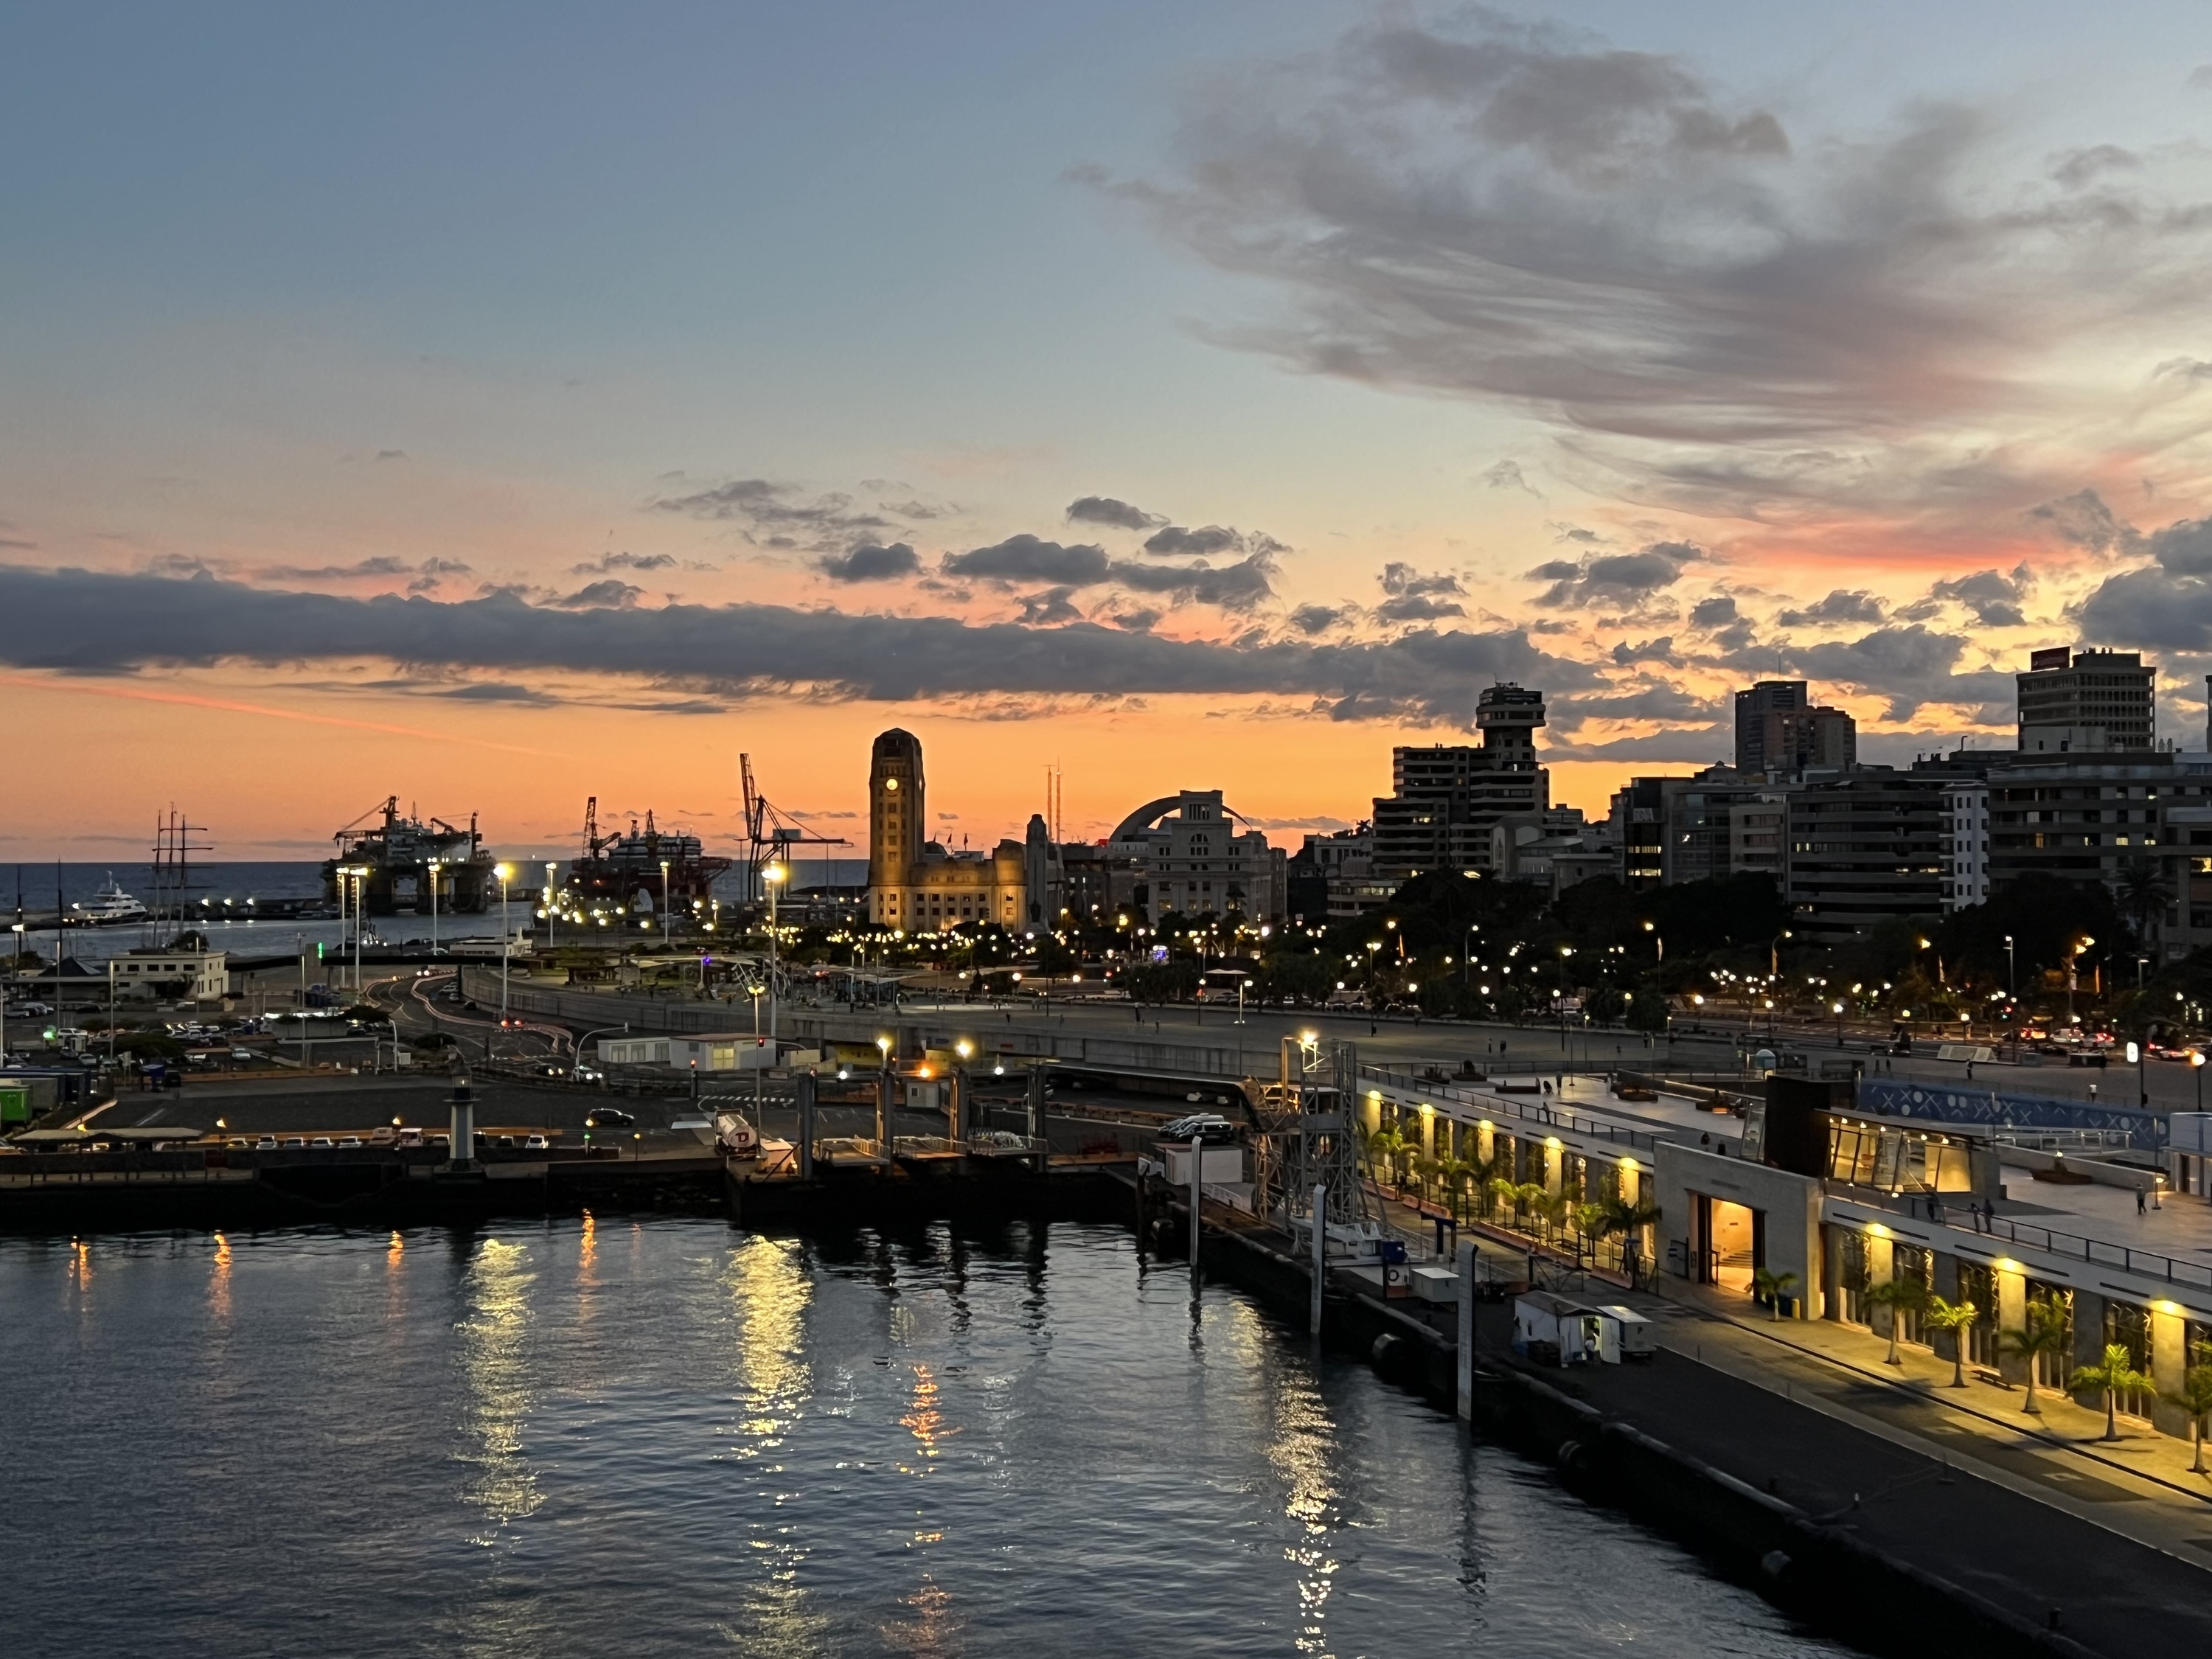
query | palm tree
[2047, 1330]
[1384, 1148]
[1455, 1172]
[2115, 1372]
[2195, 1397]
[1627, 1217]
[1954, 1317]
[1772, 1288]
[1900, 1297]
[2143, 895]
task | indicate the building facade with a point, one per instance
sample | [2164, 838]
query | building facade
[1965, 844]
[2095, 700]
[1864, 849]
[1445, 797]
[915, 885]
[1779, 729]
[1197, 862]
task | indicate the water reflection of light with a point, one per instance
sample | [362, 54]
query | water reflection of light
[393, 1251]
[925, 1418]
[588, 1249]
[80, 1264]
[1302, 1449]
[770, 1292]
[495, 1371]
[219, 1282]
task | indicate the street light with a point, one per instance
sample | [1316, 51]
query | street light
[506, 873]
[663, 897]
[2197, 1064]
[435, 865]
[552, 904]
[774, 876]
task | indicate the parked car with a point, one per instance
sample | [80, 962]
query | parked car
[536, 1143]
[323, 1140]
[350, 1140]
[1209, 1127]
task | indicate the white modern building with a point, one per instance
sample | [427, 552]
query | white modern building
[1965, 844]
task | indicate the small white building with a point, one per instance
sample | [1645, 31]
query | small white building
[178, 975]
[710, 1051]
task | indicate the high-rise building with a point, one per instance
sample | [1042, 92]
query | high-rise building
[2095, 701]
[1779, 729]
[1965, 844]
[1445, 797]
[1864, 848]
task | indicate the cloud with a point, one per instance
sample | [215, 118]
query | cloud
[1506, 475]
[1176, 540]
[1842, 607]
[1612, 578]
[1116, 515]
[607, 562]
[620, 595]
[1312, 619]
[1993, 596]
[1660, 703]
[85, 621]
[1717, 613]
[1416, 607]
[1049, 608]
[1658, 650]
[1027, 558]
[2184, 548]
[382, 565]
[1238, 586]
[1401, 581]
[871, 562]
[777, 515]
[1520, 212]
[1908, 666]
[2083, 520]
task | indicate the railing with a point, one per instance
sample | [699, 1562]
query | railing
[2069, 1247]
[1550, 1117]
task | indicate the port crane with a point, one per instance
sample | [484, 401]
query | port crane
[770, 835]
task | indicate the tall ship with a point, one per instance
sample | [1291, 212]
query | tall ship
[412, 862]
[639, 872]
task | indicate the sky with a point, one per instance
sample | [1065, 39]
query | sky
[502, 405]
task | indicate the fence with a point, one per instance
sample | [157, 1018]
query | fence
[1986, 1108]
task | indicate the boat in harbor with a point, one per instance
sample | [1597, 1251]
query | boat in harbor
[111, 904]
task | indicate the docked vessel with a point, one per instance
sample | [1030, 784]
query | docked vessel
[404, 865]
[111, 904]
[641, 871]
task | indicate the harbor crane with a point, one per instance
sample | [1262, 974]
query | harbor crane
[770, 835]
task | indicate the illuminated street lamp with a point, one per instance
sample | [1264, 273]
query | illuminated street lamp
[435, 865]
[552, 904]
[506, 873]
[774, 876]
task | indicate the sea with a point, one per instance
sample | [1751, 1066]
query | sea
[669, 1437]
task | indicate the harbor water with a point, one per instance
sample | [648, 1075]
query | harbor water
[672, 1438]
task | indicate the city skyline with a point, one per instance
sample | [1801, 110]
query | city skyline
[567, 409]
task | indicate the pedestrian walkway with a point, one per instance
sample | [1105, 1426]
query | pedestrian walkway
[2139, 1486]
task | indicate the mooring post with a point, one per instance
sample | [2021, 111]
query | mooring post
[1036, 1105]
[1466, 1355]
[1197, 1193]
[802, 1087]
[1320, 1258]
[886, 1080]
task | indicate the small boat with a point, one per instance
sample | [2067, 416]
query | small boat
[110, 904]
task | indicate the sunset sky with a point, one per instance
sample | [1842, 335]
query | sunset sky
[502, 404]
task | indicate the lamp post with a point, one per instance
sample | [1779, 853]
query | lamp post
[2197, 1064]
[550, 903]
[506, 873]
[435, 865]
[360, 892]
[664, 928]
[775, 875]
[2073, 971]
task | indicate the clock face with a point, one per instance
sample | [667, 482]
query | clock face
[890, 784]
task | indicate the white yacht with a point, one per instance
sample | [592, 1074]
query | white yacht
[110, 904]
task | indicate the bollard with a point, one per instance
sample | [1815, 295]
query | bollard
[1197, 1193]
[1466, 1355]
[1320, 1258]
[802, 1087]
